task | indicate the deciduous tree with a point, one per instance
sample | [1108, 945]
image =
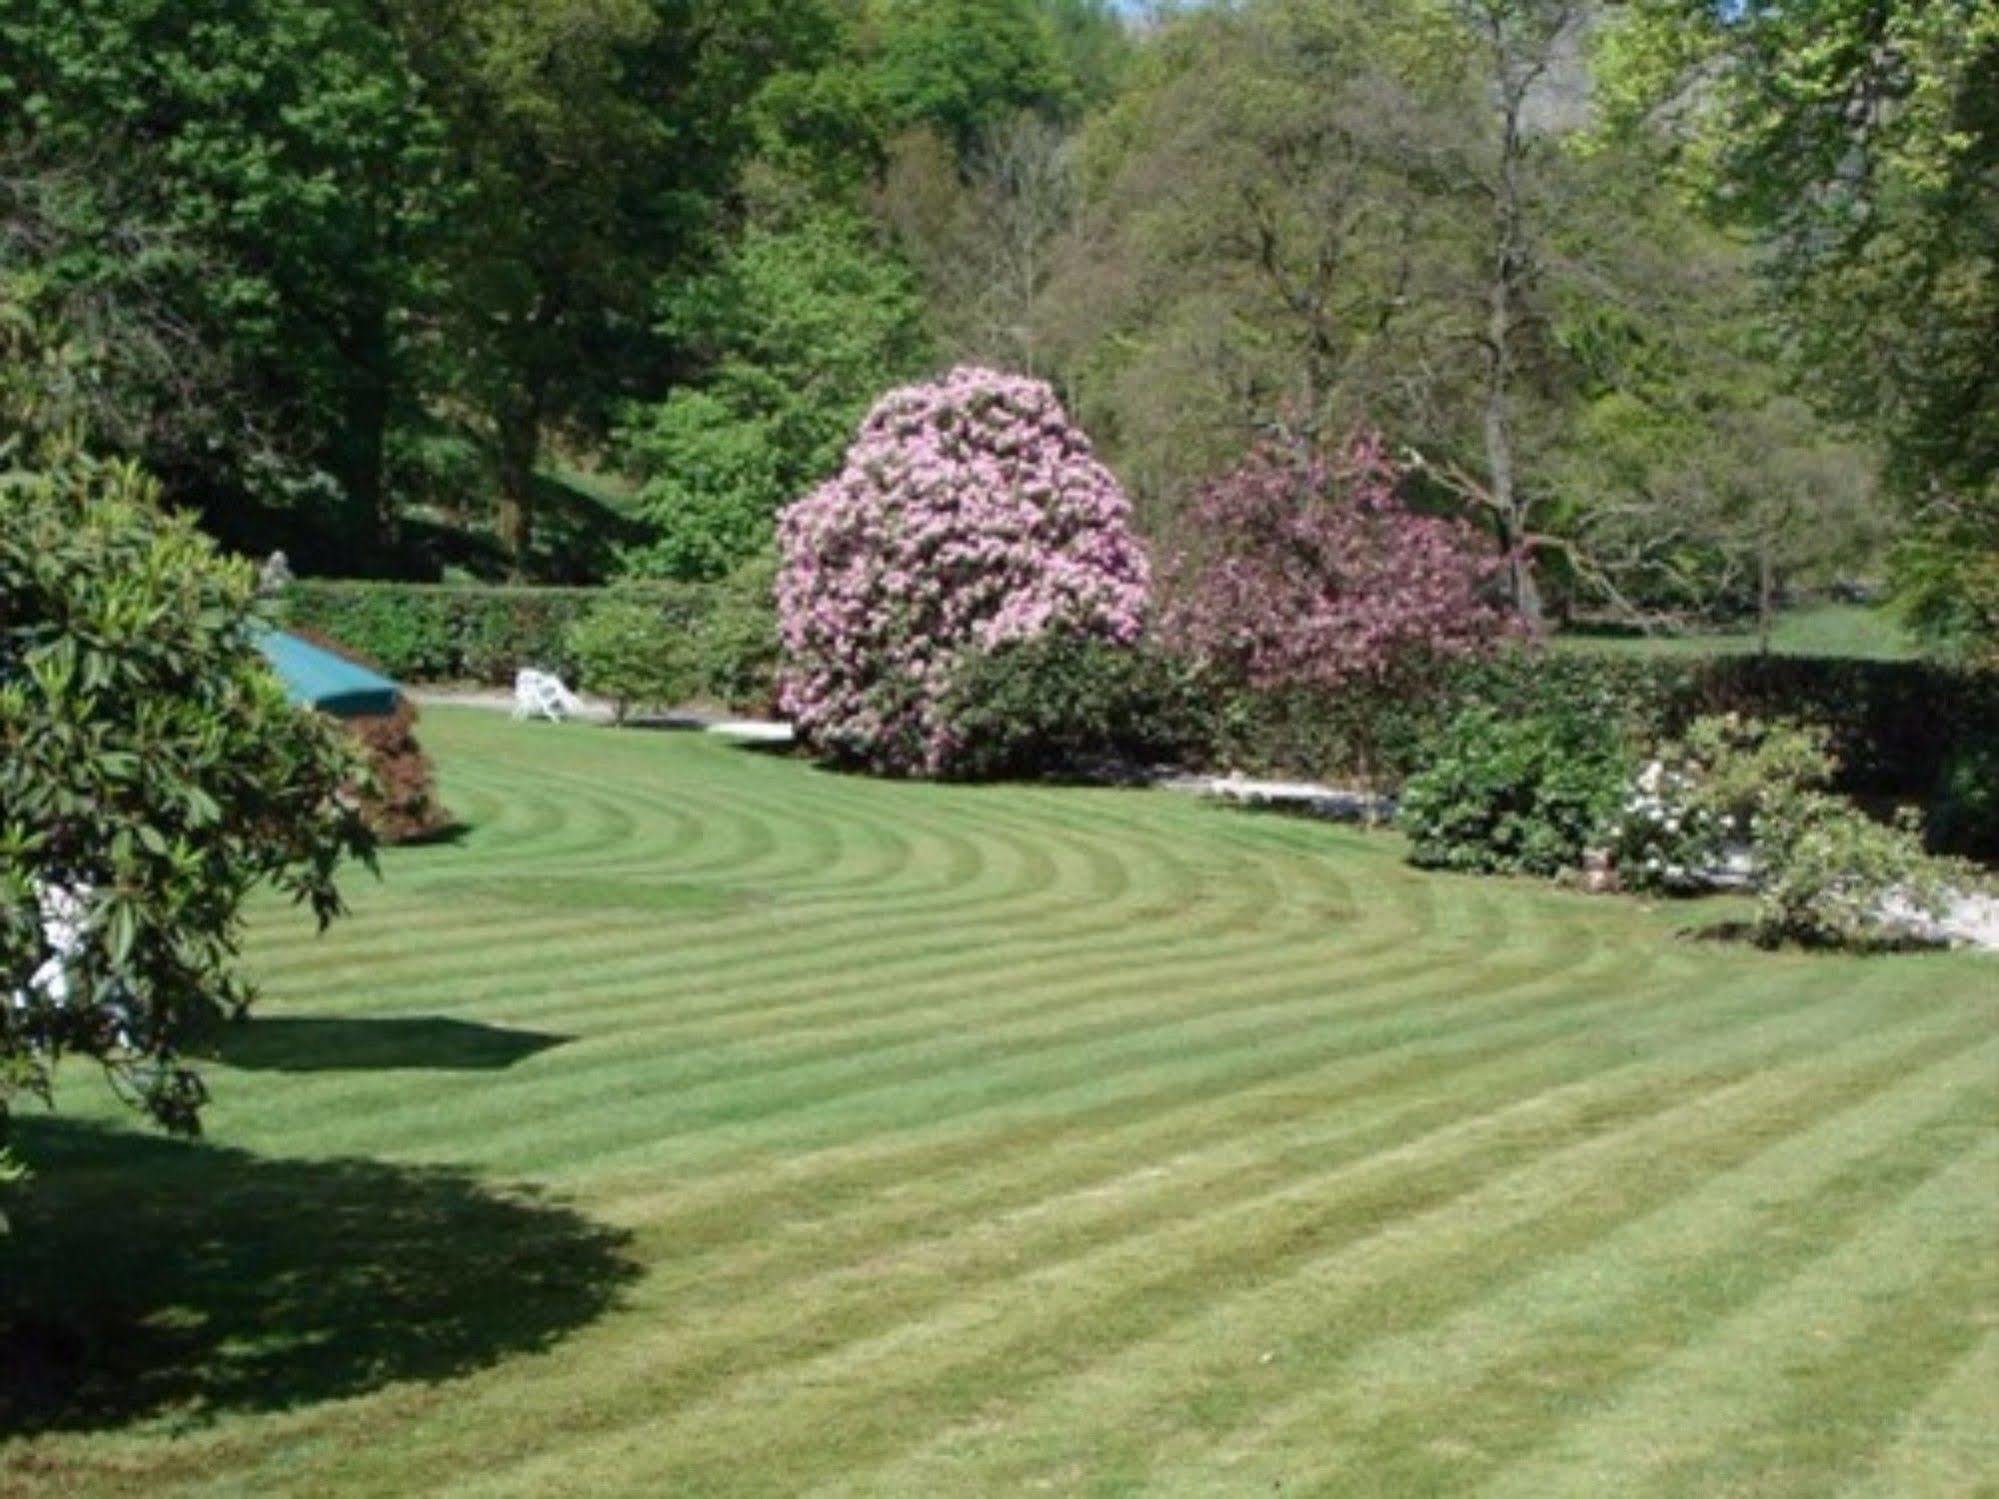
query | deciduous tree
[1860, 142]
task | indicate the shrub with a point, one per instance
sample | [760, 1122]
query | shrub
[1833, 877]
[1664, 839]
[430, 632]
[1964, 811]
[399, 800]
[1314, 573]
[1059, 705]
[626, 649]
[1512, 795]
[1716, 790]
[152, 774]
[1892, 725]
[969, 513]
[736, 646]
[1826, 874]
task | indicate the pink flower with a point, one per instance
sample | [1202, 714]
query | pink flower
[1316, 573]
[969, 511]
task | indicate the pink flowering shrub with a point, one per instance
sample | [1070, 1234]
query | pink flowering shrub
[970, 513]
[1313, 572]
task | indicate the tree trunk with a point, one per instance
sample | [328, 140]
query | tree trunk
[519, 451]
[362, 447]
[1766, 599]
[1502, 295]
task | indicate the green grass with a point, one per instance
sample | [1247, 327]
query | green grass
[1818, 630]
[701, 1123]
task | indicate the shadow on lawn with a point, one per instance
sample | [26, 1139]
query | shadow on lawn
[147, 1277]
[303, 1044]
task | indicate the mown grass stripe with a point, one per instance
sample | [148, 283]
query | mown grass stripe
[987, 1139]
[1458, 1400]
[1127, 1291]
[1890, 1310]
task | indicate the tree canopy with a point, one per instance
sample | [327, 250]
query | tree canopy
[383, 281]
[1859, 143]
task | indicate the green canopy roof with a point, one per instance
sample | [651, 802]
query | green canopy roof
[319, 679]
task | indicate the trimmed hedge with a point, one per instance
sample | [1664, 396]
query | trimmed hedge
[1895, 725]
[422, 632]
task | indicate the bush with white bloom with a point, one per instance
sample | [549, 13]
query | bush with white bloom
[1750, 794]
[1666, 838]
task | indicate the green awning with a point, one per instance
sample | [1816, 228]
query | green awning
[319, 679]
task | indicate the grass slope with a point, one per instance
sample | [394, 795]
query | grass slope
[701, 1123]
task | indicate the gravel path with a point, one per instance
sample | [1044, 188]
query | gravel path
[599, 710]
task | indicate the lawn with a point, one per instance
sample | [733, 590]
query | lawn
[702, 1123]
[1816, 630]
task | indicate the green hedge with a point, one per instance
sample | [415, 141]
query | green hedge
[465, 633]
[1895, 725]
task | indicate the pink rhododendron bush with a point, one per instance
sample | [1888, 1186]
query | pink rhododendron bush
[970, 513]
[1312, 572]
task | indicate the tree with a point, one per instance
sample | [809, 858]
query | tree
[113, 353]
[1522, 42]
[963, 66]
[280, 165]
[394, 224]
[561, 166]
[1687, 482]
[969, 513]
[1947, 572]
[1313, 572]
[983, 235]
[601, 141]
[1272, 219]
[793, 335]
[152, 774]
[1861, 144]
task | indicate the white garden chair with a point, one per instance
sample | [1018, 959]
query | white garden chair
[540, 694]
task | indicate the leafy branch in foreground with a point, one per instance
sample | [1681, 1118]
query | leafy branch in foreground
[152, 774]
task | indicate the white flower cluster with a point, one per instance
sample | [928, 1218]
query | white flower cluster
[1664, 839]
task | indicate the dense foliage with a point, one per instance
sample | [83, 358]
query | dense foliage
[1859, 143]
[1313, 572]
[462, 633]
[970, 513]
[1505, 794]
[1059, 705]
[625, 649]
[153, 774]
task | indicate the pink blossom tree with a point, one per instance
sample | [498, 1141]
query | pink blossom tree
[1313, 572]
[970, 512]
